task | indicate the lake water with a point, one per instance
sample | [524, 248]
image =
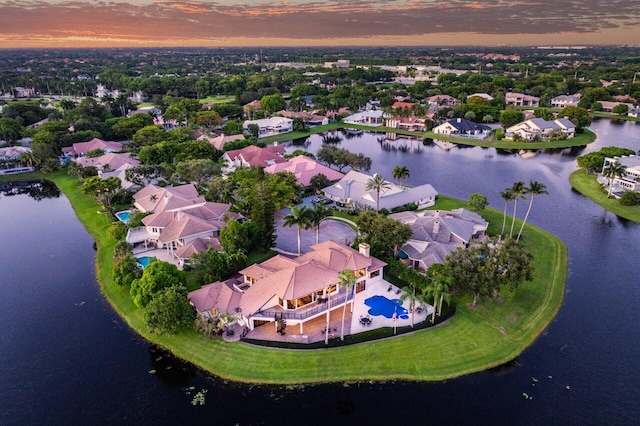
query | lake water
[67, 358]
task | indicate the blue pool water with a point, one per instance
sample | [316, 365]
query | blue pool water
[145, 261]
[380, 305]
[124, 216]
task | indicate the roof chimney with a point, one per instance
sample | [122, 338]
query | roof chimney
[459, 120]
[364, 249]
[436, 227]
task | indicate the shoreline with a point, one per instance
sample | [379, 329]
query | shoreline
[433, 354]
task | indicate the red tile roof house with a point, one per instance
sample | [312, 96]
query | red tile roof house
[180, 217]
[295, 290]
[304, 168]
[80, 149]
[253, 156]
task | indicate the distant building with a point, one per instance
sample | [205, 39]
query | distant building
[270, 126]
[340, 63]
[80, 149]
[304, 168]
[565, 101]
[253, 156]
[520, 99]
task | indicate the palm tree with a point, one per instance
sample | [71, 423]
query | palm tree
[300, 218]
[611, 171]
[413, 297]
[347, 279]
[401, 173]
[535, 188]
[507, 196]
[29, 158]
[378, 184]
[316, 216]
[518, 190]
[326, 334]
[442, 284]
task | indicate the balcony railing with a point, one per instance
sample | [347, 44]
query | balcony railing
[306, 313]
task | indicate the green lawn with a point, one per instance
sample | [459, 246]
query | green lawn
[218, 99]
[587, 185]
[473, 340]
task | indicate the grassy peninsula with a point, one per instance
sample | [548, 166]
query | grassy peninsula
[587, 184]
[475, 339]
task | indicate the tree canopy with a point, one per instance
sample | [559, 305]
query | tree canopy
[155, 277]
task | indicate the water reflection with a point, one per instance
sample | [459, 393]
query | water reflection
[36, 189]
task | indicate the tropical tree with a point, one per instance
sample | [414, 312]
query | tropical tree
[347, 280]
[518, 190]
[412, 296]
[442, 286]
[29, 158]
[319, 181]
[169, 311]
[316, 216]
[301, 217]
[507, 196]
[611, 171]
[477, 202]
[535, 188]
[377, 183]
[400, 173]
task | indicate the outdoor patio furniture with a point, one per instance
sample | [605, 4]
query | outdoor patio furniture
[390, 287]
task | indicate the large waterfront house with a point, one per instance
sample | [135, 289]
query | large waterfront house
[304, 168]
[629, 182]
[110, 165]
[179, 216]
[520, 99]
[310, 120]
[270, 126]
[253, 156]
[290, 291]
[352, 190]
[372, 118]
[80, 149]
[463, 127]
[541, 129]
[436, 233]
[412, 124]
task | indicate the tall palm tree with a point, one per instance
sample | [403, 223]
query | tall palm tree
[316, 216]
[613, 170]
[401, 173]
[518, 190]
[378, 184]
[412, 297]
[347, 279]
[442, 284]
[326, 334]
[535, 188]
[507, 196]
[300, 218]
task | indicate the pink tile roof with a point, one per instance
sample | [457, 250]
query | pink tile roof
[186, 225]
[219, 141]
[154, 198]
[82, 147]
[199, 245]
[219, 295]
[399, 104]
[256, 156]
[115, 161]
[304, 168]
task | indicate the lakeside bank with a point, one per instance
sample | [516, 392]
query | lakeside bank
[474, 340]
[587, 185]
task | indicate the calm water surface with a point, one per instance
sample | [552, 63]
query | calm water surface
[67, 358]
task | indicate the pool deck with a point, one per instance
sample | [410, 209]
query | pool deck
[313, 329]
[160, 254]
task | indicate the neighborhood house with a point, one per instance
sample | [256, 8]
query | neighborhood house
[463, 127]
[352, 190]
[541, 129]
[629, 182]
[270, 126]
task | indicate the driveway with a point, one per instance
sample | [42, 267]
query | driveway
[287, 237]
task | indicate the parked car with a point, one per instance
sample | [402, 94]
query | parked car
[321, 200]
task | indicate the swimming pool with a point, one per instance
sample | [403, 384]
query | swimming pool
[124, 216]
[145, 261]
[380, 305]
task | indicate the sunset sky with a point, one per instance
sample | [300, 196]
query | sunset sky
[64, 23]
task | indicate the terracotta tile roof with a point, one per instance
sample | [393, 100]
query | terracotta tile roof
[115, 161]
[219, 141]
[82, 147]
[153, 198]
[199, 245]
[256, 156]
[220, 295]
[304, 168]
[185, 225]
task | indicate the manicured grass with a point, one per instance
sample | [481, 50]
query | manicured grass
[473, 340]
[219, 99]
[613, 116]
[588, 185]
